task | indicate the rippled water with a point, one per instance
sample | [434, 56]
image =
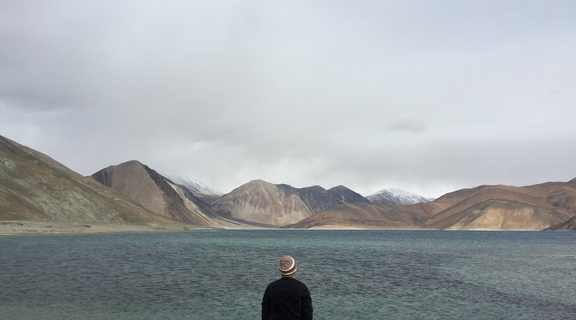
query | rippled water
[351, 274]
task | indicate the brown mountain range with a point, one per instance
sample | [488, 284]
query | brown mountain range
[35, 187]
[280, 205]
[368, 216]
[318, 199]
[483, 208]
[159, 194]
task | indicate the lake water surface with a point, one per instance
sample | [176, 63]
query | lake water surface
[222, 274]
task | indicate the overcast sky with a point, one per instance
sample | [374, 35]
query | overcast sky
[428, 96]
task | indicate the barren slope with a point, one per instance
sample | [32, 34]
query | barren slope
[483, 208]
[504, 207]
[318, 199]
[262, 202]
[156, 193]
[363, 215]
[35, 187]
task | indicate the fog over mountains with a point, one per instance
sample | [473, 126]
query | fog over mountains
[34, 187]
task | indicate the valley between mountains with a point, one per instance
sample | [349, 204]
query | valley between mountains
[40, 195]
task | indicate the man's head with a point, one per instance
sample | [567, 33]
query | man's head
[287, 266]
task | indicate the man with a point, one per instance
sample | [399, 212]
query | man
[287, 298]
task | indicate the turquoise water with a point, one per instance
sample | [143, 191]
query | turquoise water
[222, 274]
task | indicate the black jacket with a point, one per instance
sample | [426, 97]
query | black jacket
[287, 299]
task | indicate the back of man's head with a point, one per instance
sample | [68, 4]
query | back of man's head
[287, 266]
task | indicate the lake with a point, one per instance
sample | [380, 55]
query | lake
[222, 274]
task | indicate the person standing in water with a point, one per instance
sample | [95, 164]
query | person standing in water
[287, 298]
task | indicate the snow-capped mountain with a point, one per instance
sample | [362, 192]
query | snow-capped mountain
[396, 197]
[199, 189]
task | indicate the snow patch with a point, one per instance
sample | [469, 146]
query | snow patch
[195, 186]
[397, 196]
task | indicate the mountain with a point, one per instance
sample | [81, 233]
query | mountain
[200, 190]
[318, 199]
[35, 187]
[504, 207]
[262, 202]
[564, 197]
[281, 204]
[396, 197]
[366, 216]
[342, 195]
[482, 208]
[158, 194]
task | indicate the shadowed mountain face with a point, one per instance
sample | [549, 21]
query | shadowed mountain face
[158, 194]
[318, 199]
[35, 187]
[343, 195]
[482, 208]
[568, 225]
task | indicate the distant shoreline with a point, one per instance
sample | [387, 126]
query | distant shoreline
[24, 227]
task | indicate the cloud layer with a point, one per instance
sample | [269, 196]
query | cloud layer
[425, 96]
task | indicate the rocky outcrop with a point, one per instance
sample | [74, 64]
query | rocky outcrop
[35, 187]
[158, 194]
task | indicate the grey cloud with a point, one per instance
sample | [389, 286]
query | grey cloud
[368, 94]
[406, 125]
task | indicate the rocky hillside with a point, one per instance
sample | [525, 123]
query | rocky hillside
[158, 194]
[505, 207]
[262, 202]
[280, 205]
[318, 199]
[367, 216]
[482, 208]
[568, 225]
[35, 187]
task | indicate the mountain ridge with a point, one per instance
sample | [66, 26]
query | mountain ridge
[158, 193]
[35, 187]
[484, 207]
[38, 188]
